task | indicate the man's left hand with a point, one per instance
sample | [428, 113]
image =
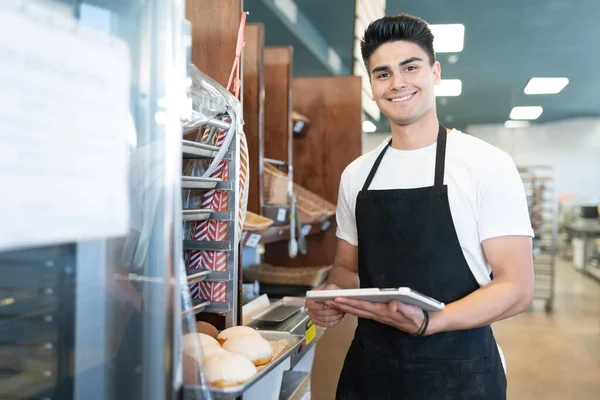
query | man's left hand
[406, 317]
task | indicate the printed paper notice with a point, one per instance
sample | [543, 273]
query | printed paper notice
[64, 98]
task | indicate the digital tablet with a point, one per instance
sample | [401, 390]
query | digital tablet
[376, 295]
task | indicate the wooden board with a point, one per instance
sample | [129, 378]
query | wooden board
[333, 104]
[254, 110]
[215, 25]
[278, 103]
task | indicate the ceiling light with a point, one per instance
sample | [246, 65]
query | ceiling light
[448, 87]
[453, 59]
[526, 112]
[369, 127]
[448, 38]
[546, 85]
[516, 124]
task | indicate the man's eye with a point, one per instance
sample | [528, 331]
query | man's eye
[411, 68]
[384, 75]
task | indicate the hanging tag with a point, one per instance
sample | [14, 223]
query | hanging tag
[306, 230]
[281, 213]
[253, 240]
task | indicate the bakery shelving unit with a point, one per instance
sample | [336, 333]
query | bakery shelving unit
[214, 28]
[542, 204]
[230, 306]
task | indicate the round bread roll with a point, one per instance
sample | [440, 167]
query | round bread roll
[189, 346]
[236, 331]
[228, 370]
[206, 328]
[211, 351]
[254, 348]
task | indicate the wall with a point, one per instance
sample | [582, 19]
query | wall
[572, 147]
[372, 140]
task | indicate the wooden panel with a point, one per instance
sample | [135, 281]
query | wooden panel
[333, 104]
[278, 103]
[254, 102]
[215, 25]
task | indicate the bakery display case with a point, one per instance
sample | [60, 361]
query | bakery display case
[87, 239]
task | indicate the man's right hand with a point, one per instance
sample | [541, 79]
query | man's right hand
[325, 314]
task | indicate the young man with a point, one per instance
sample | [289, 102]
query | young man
[435, 210]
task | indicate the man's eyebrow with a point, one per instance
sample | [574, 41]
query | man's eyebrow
[409, 60]
[380, 69]
[387, 68]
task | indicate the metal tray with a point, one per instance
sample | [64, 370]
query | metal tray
[295, 341]
[195, 275]
[197, 215]
[277, 313]
[198, 150]
[193, 182]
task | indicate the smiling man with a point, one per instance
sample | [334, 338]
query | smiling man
[435, 210]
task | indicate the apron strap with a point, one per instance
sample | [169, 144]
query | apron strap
[440, 157]
[375, 166]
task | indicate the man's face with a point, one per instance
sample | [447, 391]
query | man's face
[402, 81]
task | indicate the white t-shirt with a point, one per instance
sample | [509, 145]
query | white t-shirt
[487, 197]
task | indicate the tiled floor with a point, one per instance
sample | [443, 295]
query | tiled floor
[549, 356]
[556, 355]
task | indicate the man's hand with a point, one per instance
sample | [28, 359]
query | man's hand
[407, 318]
[325, 314]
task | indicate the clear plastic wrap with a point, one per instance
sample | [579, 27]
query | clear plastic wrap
[192, 359]
[207, 100]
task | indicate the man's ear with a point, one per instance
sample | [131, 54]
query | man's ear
[437, 72]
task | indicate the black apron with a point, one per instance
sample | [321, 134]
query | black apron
[406, 237]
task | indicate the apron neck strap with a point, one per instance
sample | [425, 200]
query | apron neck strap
[375, 166]
[440, 160]
[440, 157]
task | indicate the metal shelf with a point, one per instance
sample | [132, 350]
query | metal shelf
[200, 305]
[195, 275]
[294, 384]
[196, 215]
[206, 245]
[194, 150]
[192, 182]
[206, 214]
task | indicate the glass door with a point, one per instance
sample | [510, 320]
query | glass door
[90, 166]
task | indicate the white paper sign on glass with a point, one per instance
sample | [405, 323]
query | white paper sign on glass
[64, 100]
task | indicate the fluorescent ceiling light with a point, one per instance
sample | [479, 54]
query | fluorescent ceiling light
[448, 87]
[526, 112]
[448, 38]
[546, 85]
[516, 124]
[369, 127]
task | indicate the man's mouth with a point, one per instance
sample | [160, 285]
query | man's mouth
[403, 98]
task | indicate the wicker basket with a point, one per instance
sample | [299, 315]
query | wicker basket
[275, 185]
[299, 276]
[255, 222]
[311, 207]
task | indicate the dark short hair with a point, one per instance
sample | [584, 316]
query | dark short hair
[395, 28]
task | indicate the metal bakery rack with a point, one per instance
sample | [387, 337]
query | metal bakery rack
[541, 201]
